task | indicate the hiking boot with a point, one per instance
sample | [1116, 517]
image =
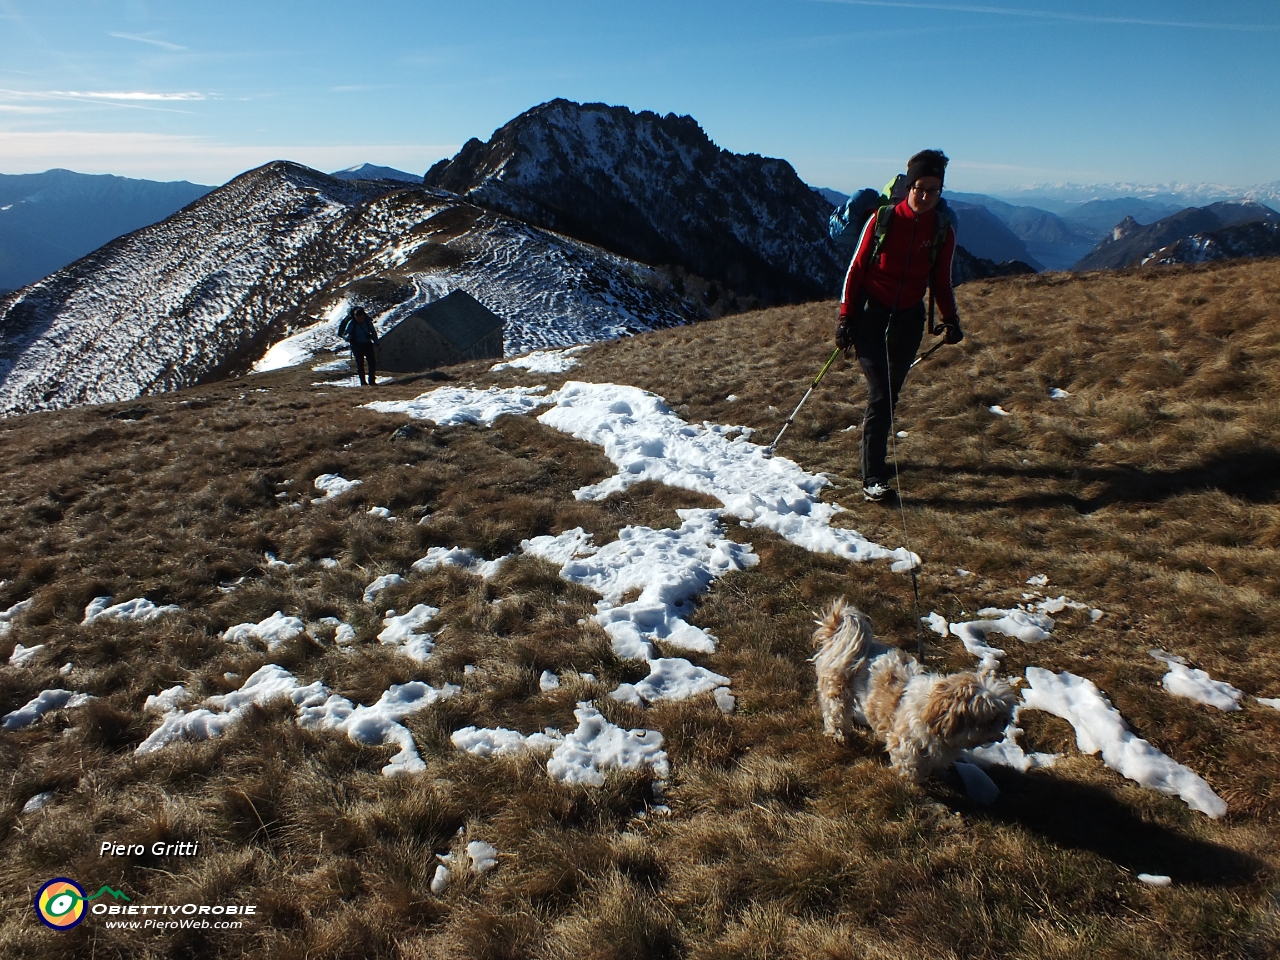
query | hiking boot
[874, 491]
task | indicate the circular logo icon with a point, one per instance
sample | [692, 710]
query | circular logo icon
[60, 903]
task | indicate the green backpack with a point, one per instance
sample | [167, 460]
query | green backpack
[894, 191]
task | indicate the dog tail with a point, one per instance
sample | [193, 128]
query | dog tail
[844, 633]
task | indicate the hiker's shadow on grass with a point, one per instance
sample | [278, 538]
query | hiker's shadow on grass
[1084, 817]
[1251, 474]
[426, 376]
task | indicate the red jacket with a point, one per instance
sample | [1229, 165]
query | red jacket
[899, 277]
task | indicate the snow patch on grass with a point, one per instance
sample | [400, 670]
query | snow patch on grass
[44, 702]
[139, 610]
[401, 631]
[1185, 681]
[543, 361]
[1100, 729]
[273, 631]
[317, 709]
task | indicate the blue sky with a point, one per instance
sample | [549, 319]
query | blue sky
[1016, 92]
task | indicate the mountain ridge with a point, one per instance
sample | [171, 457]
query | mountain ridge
[1255, 238]
[282, 251]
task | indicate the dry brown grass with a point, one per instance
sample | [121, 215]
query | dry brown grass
[1151, 493]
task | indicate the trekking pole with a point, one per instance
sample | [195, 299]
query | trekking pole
[935, 330]
[928, 353]
[768, 451]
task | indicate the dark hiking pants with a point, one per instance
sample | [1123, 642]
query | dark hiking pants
[364, 354]
[886, 343]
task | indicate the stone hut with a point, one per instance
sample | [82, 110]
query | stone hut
[446, 331]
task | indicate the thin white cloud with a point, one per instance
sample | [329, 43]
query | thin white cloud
[125, 95]
[119, 99]
[6, 94]
[1055, 15]
[163, 44]
[199, 159]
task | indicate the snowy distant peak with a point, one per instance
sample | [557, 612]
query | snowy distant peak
[1268, 193]
[1188, 194]
[656, 189]
[1231, 212]
[371, 171]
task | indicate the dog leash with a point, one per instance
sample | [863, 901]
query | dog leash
[902, 510]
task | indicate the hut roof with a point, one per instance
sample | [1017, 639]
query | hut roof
[460, 318]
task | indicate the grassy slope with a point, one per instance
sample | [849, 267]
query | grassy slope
[1151, 493]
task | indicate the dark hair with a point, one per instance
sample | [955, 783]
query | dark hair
[926, 163]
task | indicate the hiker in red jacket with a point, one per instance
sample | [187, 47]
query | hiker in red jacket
[882, 308]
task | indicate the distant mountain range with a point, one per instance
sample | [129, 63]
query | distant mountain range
[1059, 241]
[1061, 197]
[49, 220]
[1130, 243]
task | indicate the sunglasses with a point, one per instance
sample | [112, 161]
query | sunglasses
[925, 191]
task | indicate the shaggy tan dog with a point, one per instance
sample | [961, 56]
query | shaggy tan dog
[924, 719]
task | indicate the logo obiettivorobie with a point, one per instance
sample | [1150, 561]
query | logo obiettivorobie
[61, 902]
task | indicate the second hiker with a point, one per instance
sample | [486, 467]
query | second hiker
[362, 335]
[904, 251]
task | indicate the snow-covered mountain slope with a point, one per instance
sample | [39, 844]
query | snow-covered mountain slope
[1254, 239]
[655, 189]
[1130, 243]
[276, 252]
[552, 290]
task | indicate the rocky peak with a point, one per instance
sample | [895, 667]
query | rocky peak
[656, 189]
[1126, 227]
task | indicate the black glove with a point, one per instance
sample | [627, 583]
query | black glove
[953, 332]
[844, 335]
